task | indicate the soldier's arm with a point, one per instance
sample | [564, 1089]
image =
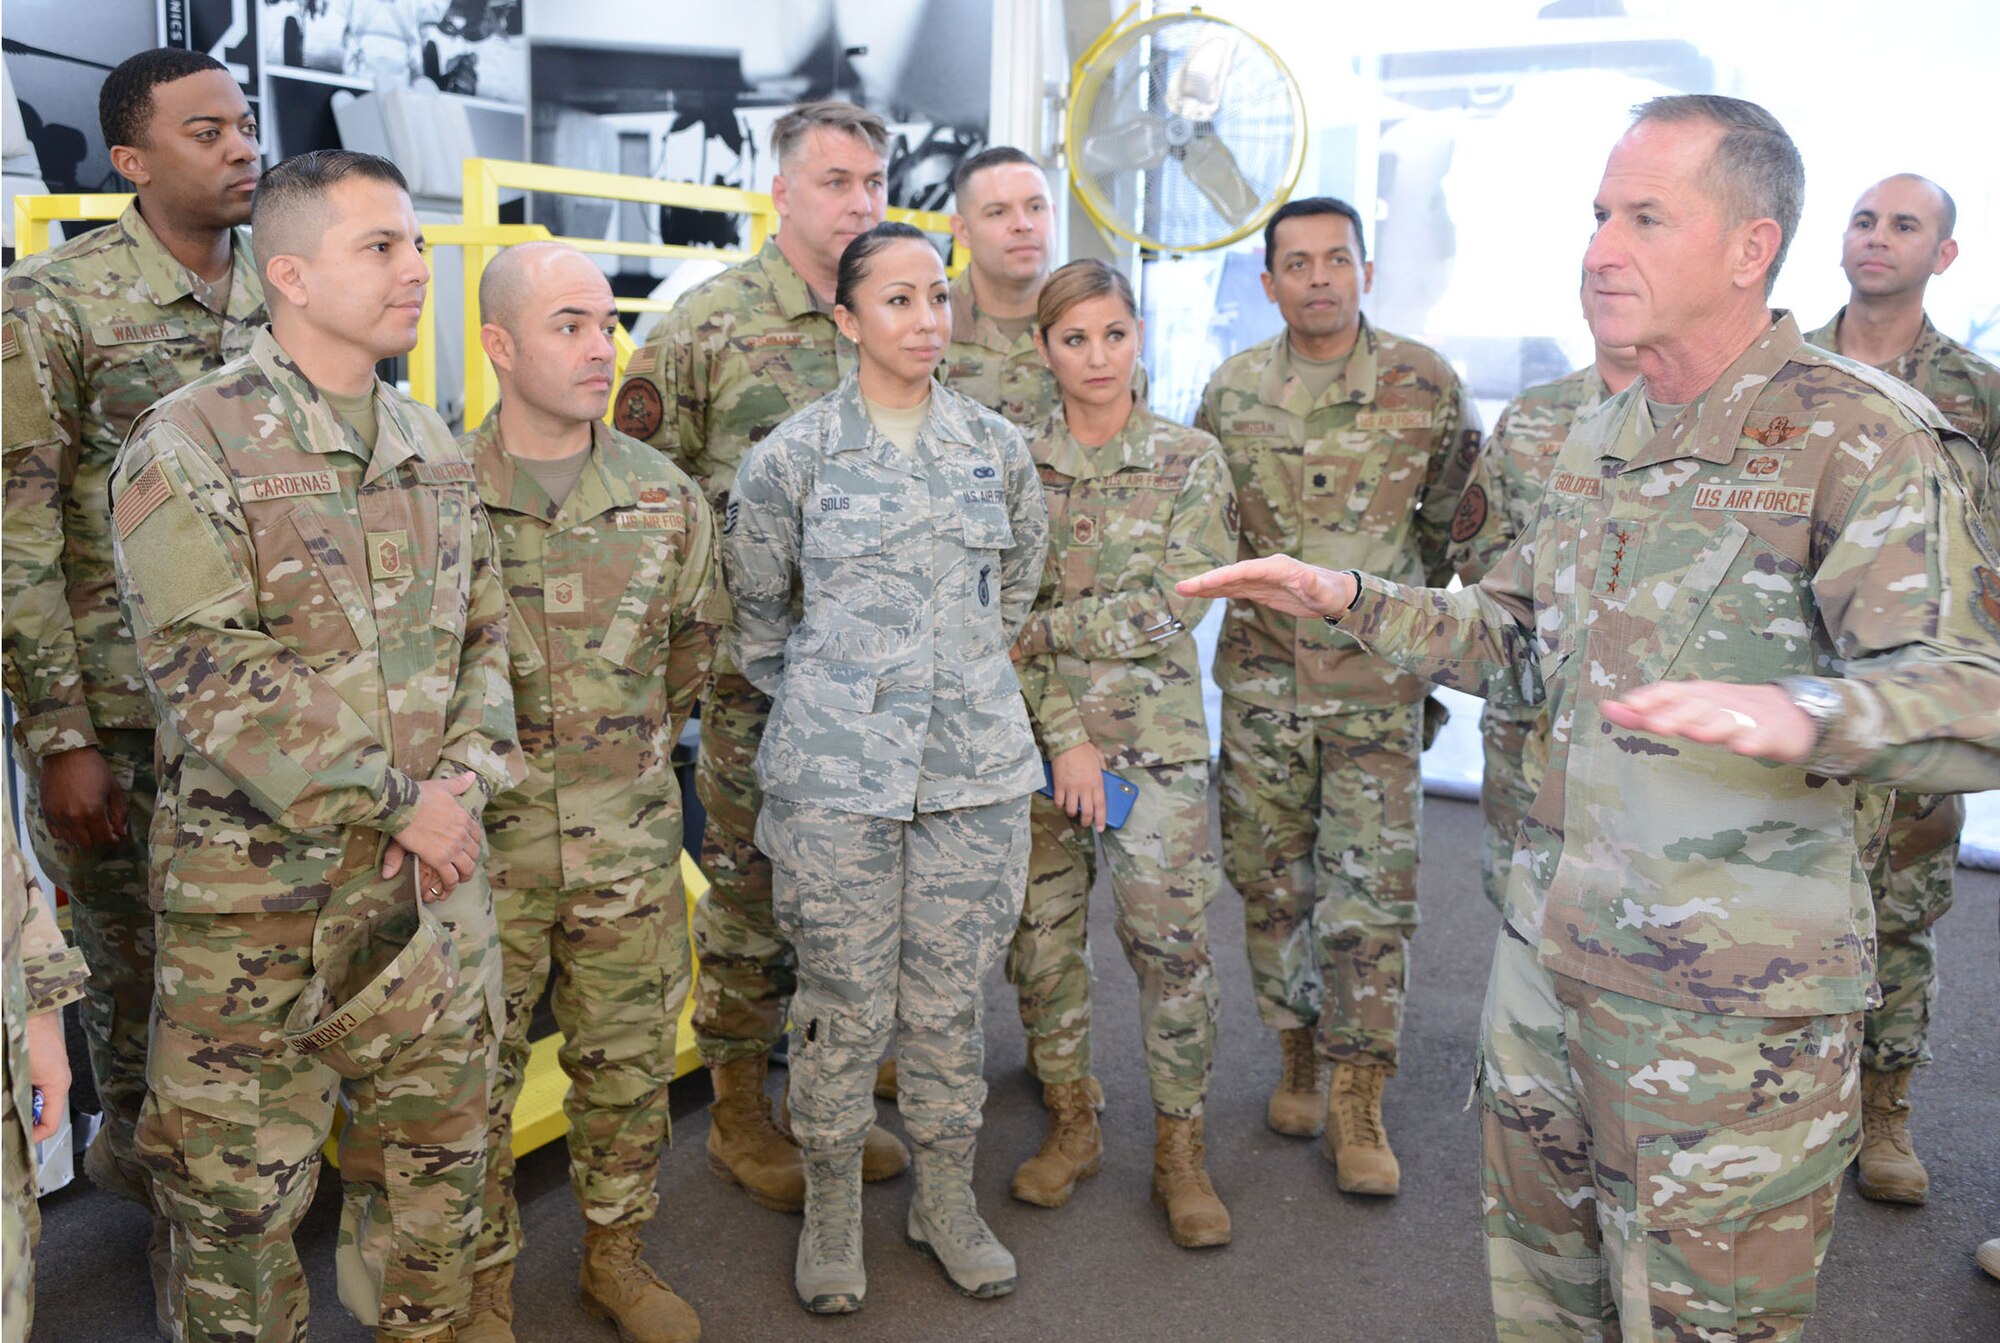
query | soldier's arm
[649, 405]
[42, 424]
[760, 557]
[54, 971]
[1454, 453]
[250, 706]
[1028, 514]
[1201, 535]
[699, 611]
[1484, 518]
[1909, 588]
[479, 721]
[1052, 709]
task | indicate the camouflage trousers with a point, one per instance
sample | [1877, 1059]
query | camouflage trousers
[1911, 884]
[112, 924]
[896, 924]
[1651, 1173]
[747, 975]
[1319, 835]
[234, 1123]
[1163, 876]
[620, 959]
[22, 1217]
[1506, 791]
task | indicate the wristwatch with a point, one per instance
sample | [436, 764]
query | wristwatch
[1818, 700]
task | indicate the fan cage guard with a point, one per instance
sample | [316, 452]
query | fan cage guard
[1089, 77]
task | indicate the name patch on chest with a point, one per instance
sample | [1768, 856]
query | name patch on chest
[1393, 419]
[836, 503]
[649, 520]
[125, 333]
[290, 485]
[1755, 499]
[995, 495]
[777, 340]
[1579, 487]
[445, 473]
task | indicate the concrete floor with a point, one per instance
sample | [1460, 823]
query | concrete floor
[1307, 1264]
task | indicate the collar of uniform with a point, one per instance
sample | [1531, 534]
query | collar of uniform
[1131, 448]
[971, 325]
[1719, 418]
[317, 427]
[850, 430]
[1828, 336]
[1931, 347]
[787, 285]
[504, 488]
[1356, 383]
[167, 281]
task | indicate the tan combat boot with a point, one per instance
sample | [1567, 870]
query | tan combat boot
[1074, 1149]
[490, 1317]
[1298, 1106]
[1887, 1164]
[744, 1146]
[1195, 1216]
[885, 1080]
[1355, 1141]
[618, 1285]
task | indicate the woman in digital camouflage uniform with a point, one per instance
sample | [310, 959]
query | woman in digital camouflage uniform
[898, 761]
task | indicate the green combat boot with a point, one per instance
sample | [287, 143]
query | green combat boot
[1074, 1149]
[620, 1286]
[1298, 1107]
[1355, 1142]
[828, 1274]
[1887, 1165]
[945, 1222]
[490, 1317]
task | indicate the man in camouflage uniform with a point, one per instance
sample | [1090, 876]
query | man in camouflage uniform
[1669, 1067]
[607, 553]
[1351, 446]
[97, 330]
[734, 358]
[302, 555]
[1898, 237]
[41, 975]
[1004, 220]
[1499, 507]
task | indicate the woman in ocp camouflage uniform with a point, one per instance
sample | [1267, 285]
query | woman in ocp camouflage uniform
[898, 761]
[1112, 681]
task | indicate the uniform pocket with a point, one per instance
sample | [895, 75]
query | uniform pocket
[838, 524]
[201, 1121]
[989, 680]
[453, 579]
[323, 578]
[986, 526]
[634, 637]
[831, 685]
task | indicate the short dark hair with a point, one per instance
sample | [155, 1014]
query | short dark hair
[1312, 205]
[125, 103]
[854, 261]
[1754, 171]
[292, 193]
[994, 156]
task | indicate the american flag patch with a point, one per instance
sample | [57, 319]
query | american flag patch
[643, 361]
[136, 502]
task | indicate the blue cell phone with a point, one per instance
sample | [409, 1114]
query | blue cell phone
[1118, 795]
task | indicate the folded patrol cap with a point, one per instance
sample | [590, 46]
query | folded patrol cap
[382, 978]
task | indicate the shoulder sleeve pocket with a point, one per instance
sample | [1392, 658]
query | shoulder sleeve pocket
[173, 562]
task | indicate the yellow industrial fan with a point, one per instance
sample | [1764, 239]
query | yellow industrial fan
[1184, 131]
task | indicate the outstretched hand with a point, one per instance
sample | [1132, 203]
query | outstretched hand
[1280, 582]
[1752, 720]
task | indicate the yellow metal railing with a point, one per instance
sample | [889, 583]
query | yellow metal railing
[481, 235]
[485, 179]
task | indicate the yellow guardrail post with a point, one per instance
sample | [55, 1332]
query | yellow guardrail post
[34, 214]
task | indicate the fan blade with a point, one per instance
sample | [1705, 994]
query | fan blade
[1139, 145]
[1212, 168]
[1195, 90]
